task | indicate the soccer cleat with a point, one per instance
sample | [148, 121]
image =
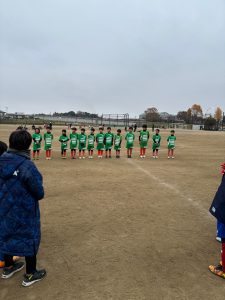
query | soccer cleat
[32, 278]
[217, 270]
[168, 157]
[173, 157]
[8, 272]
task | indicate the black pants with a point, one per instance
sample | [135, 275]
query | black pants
[31, 262]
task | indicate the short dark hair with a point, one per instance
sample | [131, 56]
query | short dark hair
[118, 130]
[144, 126]
[109, 127]
[20, 140]
[74, 128]
[64, 130]
[3, 147]
[130, 127]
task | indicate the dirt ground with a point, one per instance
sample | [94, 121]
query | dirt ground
[129, 228]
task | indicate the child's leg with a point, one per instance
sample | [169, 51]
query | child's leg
[83, 153]
[128, 151]
[31, 263]
[8, 261]
[64, 153]
[106, 153]
[34, 152]
[141, 152]
[79, 153]
[49, 153]
[168, 153]
[172, 153]
[92, 152]
[71, 153]
[101, 153]
[110, 153]
[38, 153]
[118, 153]
[156, 152]
[144, 151]
[131, 151]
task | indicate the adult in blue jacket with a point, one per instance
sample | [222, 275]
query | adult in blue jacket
[20, 190]
[217, 209]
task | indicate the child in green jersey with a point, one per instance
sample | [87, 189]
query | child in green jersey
[82, 143]
[108, 141]
[143, 140]
[37, 138]
[63, 139]
[48, 137]
[171, 144]
[91, 141]
[73, 142]
[130, 141]
[100, 142]
[156, 139]
[117, 142]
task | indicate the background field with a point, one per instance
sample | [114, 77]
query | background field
[128, 228]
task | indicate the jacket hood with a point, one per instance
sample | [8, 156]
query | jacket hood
[9, 163]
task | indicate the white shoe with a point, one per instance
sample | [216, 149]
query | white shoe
[153, 156]
[80, 157]
[156, 157]
[83, 157]
[144, 156]
[141, 156]
[168, 157]
[173, 157]
[219, 239]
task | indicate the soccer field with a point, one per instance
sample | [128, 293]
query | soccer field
[128, 228]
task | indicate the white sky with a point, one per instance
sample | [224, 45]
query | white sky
[111, 56]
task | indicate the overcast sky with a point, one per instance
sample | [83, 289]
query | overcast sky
[111, 56]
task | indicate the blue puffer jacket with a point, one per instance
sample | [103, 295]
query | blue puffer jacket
[20, 189]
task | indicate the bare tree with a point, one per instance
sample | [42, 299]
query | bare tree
[218, 116]
[152, 114]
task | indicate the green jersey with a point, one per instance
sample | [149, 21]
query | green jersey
[100, 141]
[91, 141]
[82, 141]
[117, 141]
[64, 141]
[156, 139]
[130, 140]
[73, 140]
[171, 141]
[108, 138]
[48, 137]
[37, 138]
[143, 138]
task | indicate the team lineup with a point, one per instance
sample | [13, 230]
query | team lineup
[102, 142]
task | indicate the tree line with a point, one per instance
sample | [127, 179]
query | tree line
[193, 115]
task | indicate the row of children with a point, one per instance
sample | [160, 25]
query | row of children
[104, 142]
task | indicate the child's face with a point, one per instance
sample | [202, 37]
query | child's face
[130, 129]
[109, 130]
[74, 131]
[48, 130]
[100, 130]
[63, 132]
[37, 131]
[82, 131]
[157, 131]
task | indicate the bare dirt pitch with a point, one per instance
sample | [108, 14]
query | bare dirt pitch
[129, 228]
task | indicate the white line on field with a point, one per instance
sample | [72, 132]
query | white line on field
[194, 203]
